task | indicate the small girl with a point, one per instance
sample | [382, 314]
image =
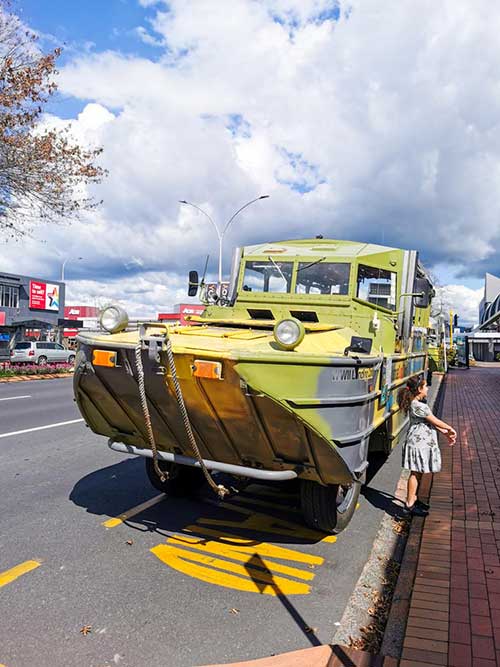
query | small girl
[421, 450]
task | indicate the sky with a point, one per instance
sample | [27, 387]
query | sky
[372, 120]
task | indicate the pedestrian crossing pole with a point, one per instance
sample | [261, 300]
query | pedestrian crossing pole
[451, 329]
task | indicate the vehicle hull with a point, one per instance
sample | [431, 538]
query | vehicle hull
[312, 417]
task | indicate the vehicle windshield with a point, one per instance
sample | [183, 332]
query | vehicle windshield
[22, 346]
[267, 276]
[323, 278]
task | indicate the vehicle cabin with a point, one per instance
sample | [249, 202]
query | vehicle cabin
[380, 292]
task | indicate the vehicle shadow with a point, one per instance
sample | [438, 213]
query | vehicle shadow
[387, 502]
[258, 512]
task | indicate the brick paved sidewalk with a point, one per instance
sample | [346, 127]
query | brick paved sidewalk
[454, 610]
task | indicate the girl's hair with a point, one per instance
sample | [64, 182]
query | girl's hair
[408, 393]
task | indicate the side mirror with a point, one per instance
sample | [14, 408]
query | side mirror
[193, 283]
[422, 286]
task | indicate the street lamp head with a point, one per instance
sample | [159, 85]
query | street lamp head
[182, 201]
[264, 197]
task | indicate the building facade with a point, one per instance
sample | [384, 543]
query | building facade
[86, 317]
[28, 304]
[485, 339]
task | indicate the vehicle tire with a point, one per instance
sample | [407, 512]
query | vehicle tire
[42, 361]
[328, 508]
[182, 480]
[71, 358]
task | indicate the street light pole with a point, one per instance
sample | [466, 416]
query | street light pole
[64, 264]
[221, 234]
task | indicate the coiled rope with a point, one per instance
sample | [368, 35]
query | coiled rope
[219, 489]
[145, 411]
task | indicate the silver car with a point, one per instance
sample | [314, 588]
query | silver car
[41, 352]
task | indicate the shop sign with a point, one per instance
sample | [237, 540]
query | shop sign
[44, 296]
[2, 317]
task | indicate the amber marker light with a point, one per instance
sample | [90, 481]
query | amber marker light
[104, 358]
[210, 370]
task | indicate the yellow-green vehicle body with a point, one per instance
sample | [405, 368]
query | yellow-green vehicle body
[311, 412]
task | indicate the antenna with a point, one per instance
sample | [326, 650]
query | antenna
[204, 272]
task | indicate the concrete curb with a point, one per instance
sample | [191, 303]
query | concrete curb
[319, 656]
[363, 623]
[392, 644]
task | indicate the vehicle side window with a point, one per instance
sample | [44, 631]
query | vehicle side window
[42, 346]
[323, 278]
[377, 286]
[262, 276]
[51, 346]
[59, 347]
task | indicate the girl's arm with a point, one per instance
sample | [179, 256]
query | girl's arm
[439, 424]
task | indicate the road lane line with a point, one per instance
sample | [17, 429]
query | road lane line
[117, 520]
[15, 572]
[13, 398]
[40, 428]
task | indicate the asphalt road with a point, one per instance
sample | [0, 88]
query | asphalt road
[178, 584]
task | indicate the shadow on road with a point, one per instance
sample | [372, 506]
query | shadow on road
[256, 562]
[383, 501]
[259, 512]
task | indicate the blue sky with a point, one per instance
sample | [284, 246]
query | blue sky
[87, 26]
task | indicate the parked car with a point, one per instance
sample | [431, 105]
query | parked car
[41, 352]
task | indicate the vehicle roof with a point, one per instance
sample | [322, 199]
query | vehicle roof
[316, 248]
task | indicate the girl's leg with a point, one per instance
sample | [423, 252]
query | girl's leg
[411, 491]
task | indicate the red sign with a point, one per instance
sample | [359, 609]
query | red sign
[188, 309]
[185, 310]
[2, 317]
[79, 312]
[38, 295]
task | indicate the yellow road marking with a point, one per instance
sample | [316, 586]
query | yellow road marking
[116, 521]
[241, 577]
[268, 524]
[248, 545]
[213, 560]
[265, 503]
[15, 572]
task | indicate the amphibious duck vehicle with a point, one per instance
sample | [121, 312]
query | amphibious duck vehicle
[291, 372]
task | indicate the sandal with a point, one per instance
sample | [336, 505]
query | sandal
[424, 506]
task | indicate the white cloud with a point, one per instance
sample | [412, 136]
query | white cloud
[461, 300]
[381, 125]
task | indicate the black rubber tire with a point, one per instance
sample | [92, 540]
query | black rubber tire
[182, 480]
[71, 358]
[328, 508]
[42, 361]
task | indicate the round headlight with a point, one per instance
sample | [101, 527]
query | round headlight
[289, 333]
[114, 319]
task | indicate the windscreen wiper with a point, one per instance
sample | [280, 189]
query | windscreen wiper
[307, 266]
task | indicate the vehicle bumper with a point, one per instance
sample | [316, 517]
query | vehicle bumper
[242, 471]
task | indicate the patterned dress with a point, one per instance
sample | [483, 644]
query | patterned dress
[421, 450]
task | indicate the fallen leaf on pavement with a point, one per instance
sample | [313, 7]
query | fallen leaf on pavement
[87, 629]
[234, 611]
[130, 541]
